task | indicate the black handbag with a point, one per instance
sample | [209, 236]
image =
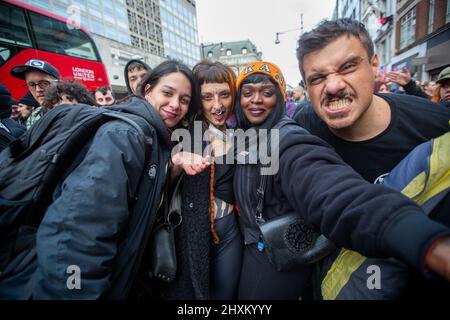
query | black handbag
[289, 243]
[287, 240]
[162, 251]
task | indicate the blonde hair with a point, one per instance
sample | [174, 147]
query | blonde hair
[436, 94]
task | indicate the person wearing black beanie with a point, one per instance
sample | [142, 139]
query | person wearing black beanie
[6, 102]
[26, 106]
[9, 128]
[28, 100]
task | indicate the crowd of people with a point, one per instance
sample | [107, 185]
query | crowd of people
[344, 144]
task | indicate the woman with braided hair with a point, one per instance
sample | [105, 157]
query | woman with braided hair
[208, 241]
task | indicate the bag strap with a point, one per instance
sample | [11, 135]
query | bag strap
[37, 132]
[172, 201]
[260, 192]
[119, 116]
[4, 127]
[6, 138]
[61, 161]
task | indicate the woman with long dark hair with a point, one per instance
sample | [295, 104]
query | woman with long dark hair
[170, 89]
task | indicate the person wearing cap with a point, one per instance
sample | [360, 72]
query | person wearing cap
[442, 91]
[372, 133]
[313, 181]
[39, 75]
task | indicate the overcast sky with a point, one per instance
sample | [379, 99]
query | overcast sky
[259, 21]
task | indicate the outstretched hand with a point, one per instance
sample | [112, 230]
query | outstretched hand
[438, 260]
[402, 78]
[191, 163]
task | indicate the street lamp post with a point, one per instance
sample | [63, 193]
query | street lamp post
[277, 36]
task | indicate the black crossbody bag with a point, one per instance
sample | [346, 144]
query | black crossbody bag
[163, 257]
[288, 241]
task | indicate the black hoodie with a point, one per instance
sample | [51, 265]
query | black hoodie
[146, 67]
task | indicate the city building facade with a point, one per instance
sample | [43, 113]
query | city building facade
[422, 39]
[236, 54]
[378, 17]
[179, 28]
[347, 9]
[115, 56]
[145, 26]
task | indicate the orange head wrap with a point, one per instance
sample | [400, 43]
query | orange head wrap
[263, 67]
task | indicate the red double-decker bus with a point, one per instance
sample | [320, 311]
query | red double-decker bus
[30, 33]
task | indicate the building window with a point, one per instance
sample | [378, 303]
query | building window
[431, 17]
[345, 9]
[383, 53]
[42, 4]
[388, 48]
[408, 29]
[80, 3]
[97, 26]
[111, 32]
[447, 19]
[244, 50]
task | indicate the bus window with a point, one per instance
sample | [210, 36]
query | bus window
[13, 27]
[54, 36]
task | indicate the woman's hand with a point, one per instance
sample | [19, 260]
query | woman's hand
[191, 163]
